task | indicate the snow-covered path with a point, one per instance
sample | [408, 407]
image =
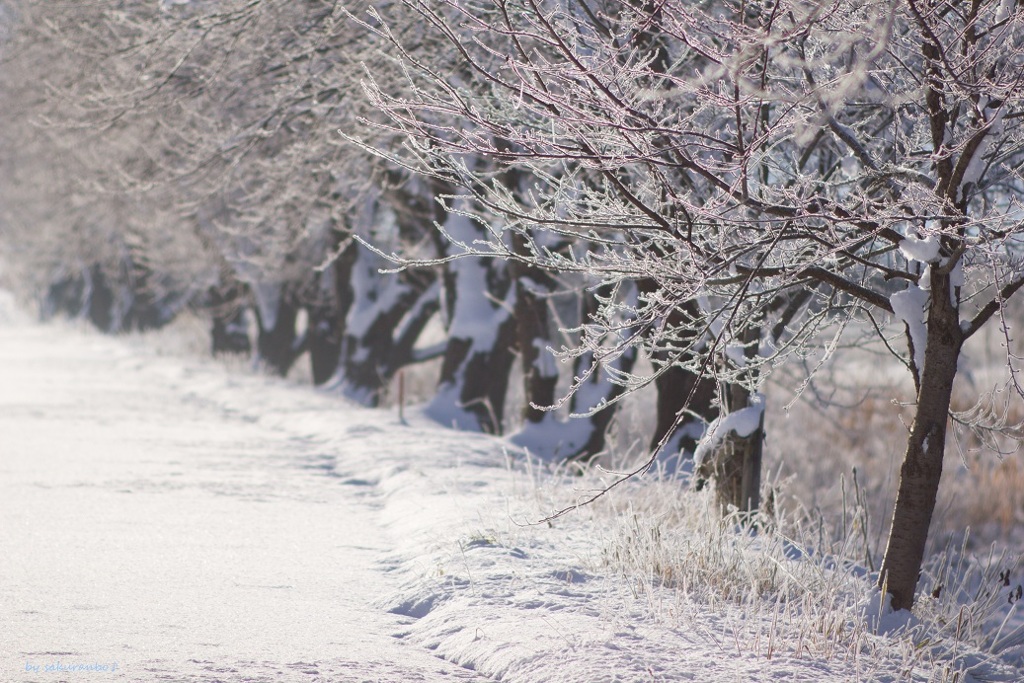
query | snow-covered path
[146, 528]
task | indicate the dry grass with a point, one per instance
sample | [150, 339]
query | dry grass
[986, 494]
[820, 448]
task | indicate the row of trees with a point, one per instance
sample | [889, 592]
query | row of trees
[188, 155]
[718, 186]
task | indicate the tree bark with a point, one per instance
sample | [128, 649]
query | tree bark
[100, 300]
[278, 347]
[324, 341]
[387, 315]
[480, 351]
[474, 379]
[479, 299]
[740, 483]
[922, 463]
[226, 304]
[147, 308]
[67, 295]
[685, 402]
[328, 313]
[736, 462]
[540, 375]
[680, 390]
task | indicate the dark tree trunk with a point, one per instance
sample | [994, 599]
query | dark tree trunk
[479, 299]
[533, 287]
[597, 389]
[278, 347]
[685, 402]
[67, 296]
[327, 315]
[100, 300]
[147, 308]
[387, 314]
[540, 374]
[922, 463]
[324, 341]
[226, 303]
[479, 354]
[228, 334]
[583, 436]
[474, 379]
[114, 299]
[84, 294]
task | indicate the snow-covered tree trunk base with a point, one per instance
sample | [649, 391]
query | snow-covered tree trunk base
[596, 435]
[730, 453]
[380, 338]
[482, 337]
[474, 382]
[600, 390]
[228, 334]
[533, 287]
[682, 396]
[735, 468]
[580, 438]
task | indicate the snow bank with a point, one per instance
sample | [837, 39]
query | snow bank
[552, 438]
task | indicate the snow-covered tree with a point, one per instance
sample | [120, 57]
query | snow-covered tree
[77, 240]
[774, 170]
[222, 117]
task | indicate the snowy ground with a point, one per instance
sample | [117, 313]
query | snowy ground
[163, 519]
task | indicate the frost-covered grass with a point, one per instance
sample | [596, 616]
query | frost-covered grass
[781, 597]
